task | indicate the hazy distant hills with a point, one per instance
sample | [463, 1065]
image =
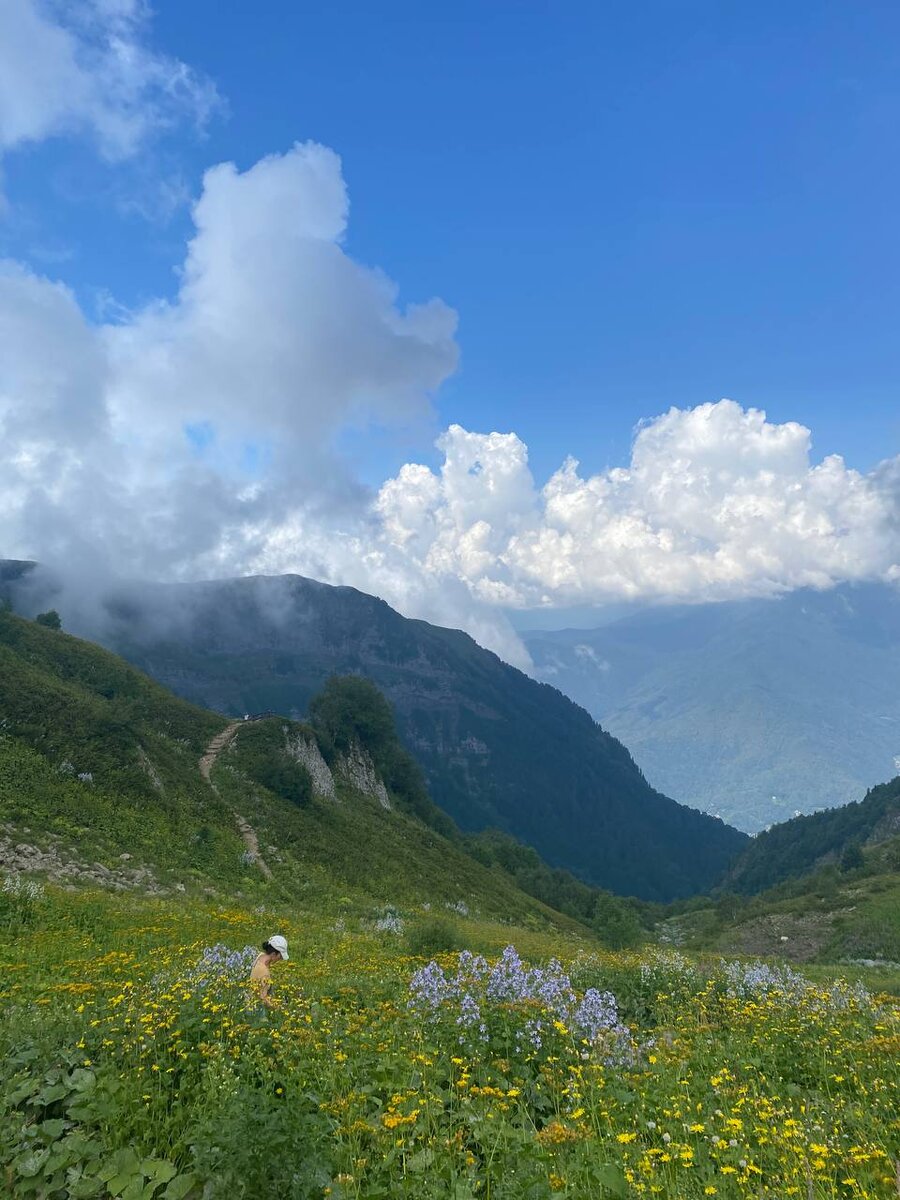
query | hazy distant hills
[753, 710]
[498, 748]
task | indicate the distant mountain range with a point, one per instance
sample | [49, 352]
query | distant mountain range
[754, 710]
[498, 748]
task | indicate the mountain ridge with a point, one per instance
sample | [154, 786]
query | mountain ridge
[752, 709]
[498, 748]
[106, 779]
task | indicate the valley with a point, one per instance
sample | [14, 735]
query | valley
[457, 1016]
[751, 709]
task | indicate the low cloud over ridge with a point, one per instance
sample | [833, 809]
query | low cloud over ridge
[195, 438]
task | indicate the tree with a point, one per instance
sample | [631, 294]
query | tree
[49, 619]
[616, 921]
[852, 858]
[351, 709]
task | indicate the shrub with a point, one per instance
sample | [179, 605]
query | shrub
[436, 935]
[616, 922]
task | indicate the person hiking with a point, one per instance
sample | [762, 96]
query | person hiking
[273, 951]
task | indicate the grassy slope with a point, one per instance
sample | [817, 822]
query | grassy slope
[499, 749]
[827, 916]
[821, 888]
[70, 708]
[111, 1071]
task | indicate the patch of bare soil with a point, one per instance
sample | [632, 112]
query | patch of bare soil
[798, 937]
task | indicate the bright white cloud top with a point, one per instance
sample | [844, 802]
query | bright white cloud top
[195, 437]
[716, 502]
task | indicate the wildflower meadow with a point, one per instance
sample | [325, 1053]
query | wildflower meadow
[137, 1064]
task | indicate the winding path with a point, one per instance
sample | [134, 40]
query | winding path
[207, 762]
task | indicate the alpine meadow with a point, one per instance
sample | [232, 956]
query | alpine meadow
[449, 601]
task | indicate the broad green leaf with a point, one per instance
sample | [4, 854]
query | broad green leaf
[31, 1164]
[420, 1161]
[180, 1186]
[613, 1179]
[158, 1169]
[53, 1129]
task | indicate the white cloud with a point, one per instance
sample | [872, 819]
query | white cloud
[716, 502]
[275, 342]
[276, 333]
[86, 68]
[195, 438]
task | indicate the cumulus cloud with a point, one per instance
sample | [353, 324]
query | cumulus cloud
[86, 68]
[717, 502]
[182, 434]
[196, 437]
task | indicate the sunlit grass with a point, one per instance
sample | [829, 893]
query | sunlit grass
[127, 1074]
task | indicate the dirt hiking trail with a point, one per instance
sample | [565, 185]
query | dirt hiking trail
[207, 762]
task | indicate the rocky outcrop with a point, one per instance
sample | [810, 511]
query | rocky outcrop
[54, 863]
[151, 771]
[357, 770]
[304, 748]
[354, 768]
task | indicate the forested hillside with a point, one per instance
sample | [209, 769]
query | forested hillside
[834, 835]
[498, 749]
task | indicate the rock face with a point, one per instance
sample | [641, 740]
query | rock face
[355, 769]
[358, 772]
[303, 748]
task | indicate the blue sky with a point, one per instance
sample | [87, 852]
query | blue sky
[630, 206]
[629, 209]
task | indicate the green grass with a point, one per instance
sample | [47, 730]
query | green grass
[125, 1074]
[71, 709]
[829, 916]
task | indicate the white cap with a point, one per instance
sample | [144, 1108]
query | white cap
[277, 942]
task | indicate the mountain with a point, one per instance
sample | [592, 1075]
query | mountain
[753, 710]
[836, 835]
[107, 779]
[823, 888]
[498, 748]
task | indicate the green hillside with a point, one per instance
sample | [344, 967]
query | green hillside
[796, 847]
[821, 888]
[499, 750]
[100, 782]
